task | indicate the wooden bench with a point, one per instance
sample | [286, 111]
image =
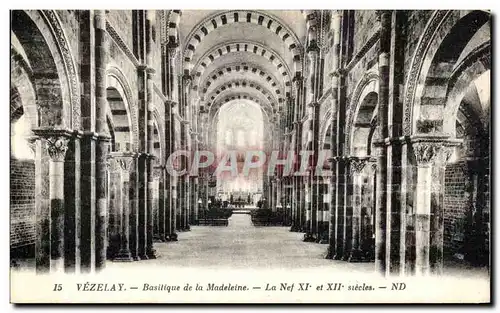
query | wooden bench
[213, 222]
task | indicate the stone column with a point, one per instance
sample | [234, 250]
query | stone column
[340, 208]
[302, 203]
[382, 243]
[125, 161]
[156, 203]
[88, 192]
[57, 146]
[162, 203]
[114, 205]
[428, 219]
[323, 211]
[51, 217]
[102, 147]
[194, 200]
[142, 209]
[169, 143]
[174, 209]
[309, 202]
[134, 190]
[150, 20]
[335, 74]
[357, 164]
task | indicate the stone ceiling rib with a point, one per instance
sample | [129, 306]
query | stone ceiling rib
[272, 23]
[282, 69]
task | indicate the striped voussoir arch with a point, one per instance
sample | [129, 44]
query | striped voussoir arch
[311, 18]
[243, 83]
[119, 119]
[225, 18]
[242, 68]
[249, 47]
[174, 19]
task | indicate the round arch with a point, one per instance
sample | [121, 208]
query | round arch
[445, 36]
[117, 80]
[272, 23]
[244, 46]
[247, 69]
[367, 84]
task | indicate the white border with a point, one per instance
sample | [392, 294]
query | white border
[203, 4]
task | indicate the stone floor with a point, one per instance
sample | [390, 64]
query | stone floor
[241, 245]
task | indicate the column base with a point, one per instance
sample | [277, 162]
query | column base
[355, 256]
[136, 258]
[173, 237]
[143, 257]
[151, 254]
[329, 253]
[338, 256]
[123, 256]
[308, 237]
[157, 239]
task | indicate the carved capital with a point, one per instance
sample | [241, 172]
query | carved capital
[357, 164]
[57, 147]
[157, 172]
[124, 160]
[426, 153]
[428, 149]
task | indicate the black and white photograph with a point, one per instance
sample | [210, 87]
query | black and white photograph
[250, 156]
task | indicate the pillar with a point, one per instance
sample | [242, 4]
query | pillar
[134, 191]
[382, 244]
[340, 208]
[125, 162]
[357, 164]
[311, 210]
[336, 113]
[50, 211]
[88, 192]
[157, 220]
[162, 206]
[142, 209]
[431, 154]
[103, 138]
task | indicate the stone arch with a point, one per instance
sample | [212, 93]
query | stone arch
[244, 46]
[56, 82]
[23, 109]
[244, 83]
[159, 136]
[247, 68]
[117, 80]
[367, 84]
[119, 120]
[470, 69]
[272, 23]
[445, 36]
[174, 18]
[325, 126]
[230, 95]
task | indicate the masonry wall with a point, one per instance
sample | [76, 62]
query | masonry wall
[455, 206]
[22, 203]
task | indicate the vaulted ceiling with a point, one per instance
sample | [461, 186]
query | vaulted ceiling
[241, 54]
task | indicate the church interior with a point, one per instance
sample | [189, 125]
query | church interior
[400, 100]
